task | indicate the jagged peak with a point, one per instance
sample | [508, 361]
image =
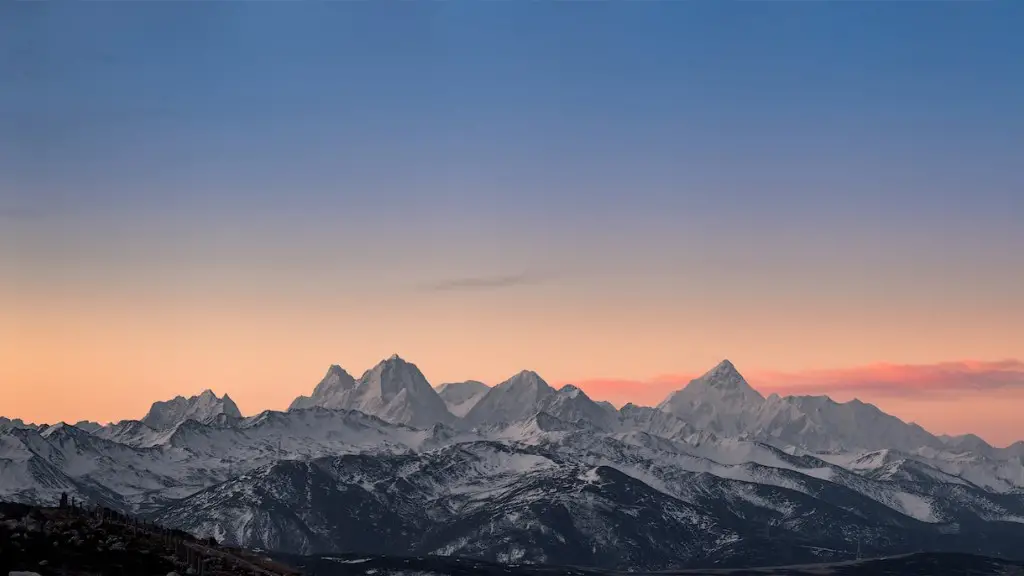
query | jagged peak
[335, 370]
[168, 414]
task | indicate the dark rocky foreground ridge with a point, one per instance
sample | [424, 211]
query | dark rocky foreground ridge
[72, 541]
[68, 541]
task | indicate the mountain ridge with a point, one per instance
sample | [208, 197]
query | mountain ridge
[335, 391]
[542, 474]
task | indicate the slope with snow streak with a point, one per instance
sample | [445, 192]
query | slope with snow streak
[483, 499]
[460, 397]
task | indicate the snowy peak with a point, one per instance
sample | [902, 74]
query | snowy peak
[392, 376]
[203, 408]
[517, 398]
[460, 397]
[336, 380]
[723, 383]
[329, 392]
[528, 380]
[394, 390]
[720, 401]
[573, 405]
[570, 391]
[727, 378]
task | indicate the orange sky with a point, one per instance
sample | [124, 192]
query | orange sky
[90, 355]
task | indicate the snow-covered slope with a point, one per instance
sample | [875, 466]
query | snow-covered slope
[203, 408]
[460, 397]
[821, 424]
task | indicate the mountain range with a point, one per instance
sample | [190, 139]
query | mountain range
[522, 472]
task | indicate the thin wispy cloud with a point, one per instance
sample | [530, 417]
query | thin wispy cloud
[942, 381]
[931, 381]
[30, 213]
[481, 283]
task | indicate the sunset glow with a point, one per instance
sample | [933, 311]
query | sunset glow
[486, 190]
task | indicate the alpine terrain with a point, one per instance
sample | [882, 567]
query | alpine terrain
[717, 475]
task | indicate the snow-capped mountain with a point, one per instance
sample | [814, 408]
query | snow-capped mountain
[819, 423]
[330, 393]
[394, 390]
[460, 397]
[720, 401]
[527, 394]
[716, 475]
[514, 399]
[202, 408]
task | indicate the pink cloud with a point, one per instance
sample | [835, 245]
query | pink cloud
[920, 382]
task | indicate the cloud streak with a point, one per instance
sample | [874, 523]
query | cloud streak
[943, 381]
[481, 283]
[931, 381]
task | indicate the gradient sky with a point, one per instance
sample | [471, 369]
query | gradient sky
[235, 195]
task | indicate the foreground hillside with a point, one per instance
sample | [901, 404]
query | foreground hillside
[100, 542]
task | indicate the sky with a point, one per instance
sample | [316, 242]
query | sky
[236, 195]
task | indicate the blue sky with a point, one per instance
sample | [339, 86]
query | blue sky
[785, 166]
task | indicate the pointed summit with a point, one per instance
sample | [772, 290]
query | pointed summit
[720, 400]
[727, 379]
[392, 375]
[521, 396]
[725, 366]
[329, 392]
